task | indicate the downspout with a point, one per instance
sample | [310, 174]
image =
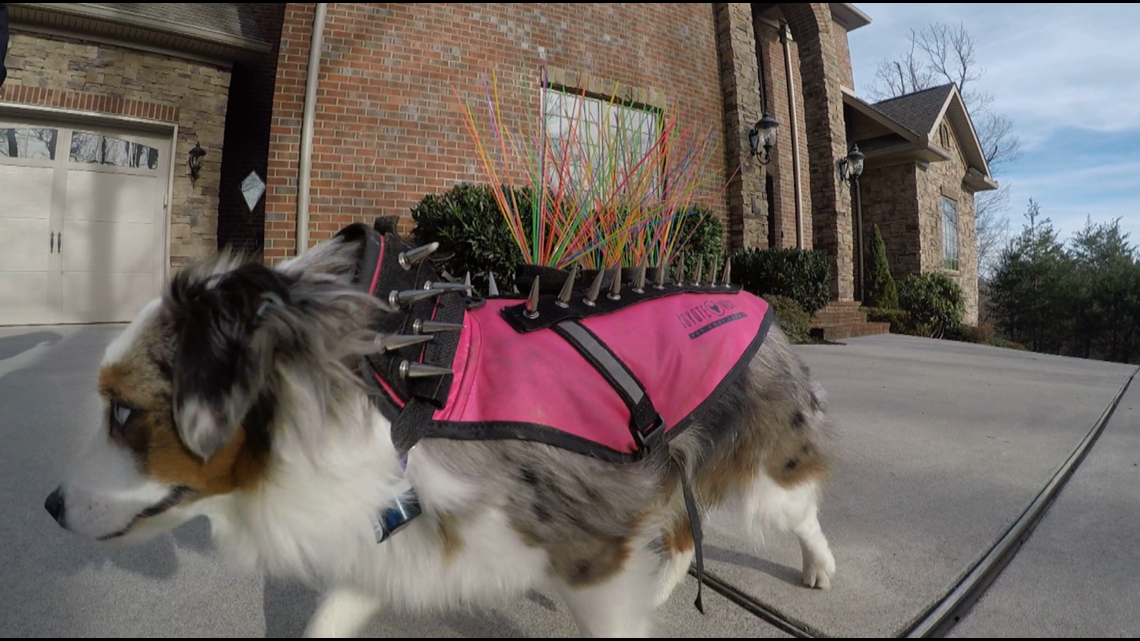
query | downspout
[304, 179]
[785, 37]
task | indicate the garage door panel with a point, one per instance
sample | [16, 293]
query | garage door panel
[110, 197]
[27, 192]
[105, 298]
[108, 248]
[26, 298]
[25, 245]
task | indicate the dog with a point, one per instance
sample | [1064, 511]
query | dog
[234, 395]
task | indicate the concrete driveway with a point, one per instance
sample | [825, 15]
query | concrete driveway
[942, 446]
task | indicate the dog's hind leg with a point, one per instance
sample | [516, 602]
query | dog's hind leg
[795, 509]
[622, 605]
[343, 613]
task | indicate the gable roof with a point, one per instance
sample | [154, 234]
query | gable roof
[909, 124]
[920, 111]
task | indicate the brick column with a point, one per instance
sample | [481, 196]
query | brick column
[822, 72]
[740, 83]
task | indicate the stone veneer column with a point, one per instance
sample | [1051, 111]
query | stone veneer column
[822, 73]
[740, 84]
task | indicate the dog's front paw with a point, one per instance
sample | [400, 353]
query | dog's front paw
[818, 570]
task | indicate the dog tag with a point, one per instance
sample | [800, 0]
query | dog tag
[396, 516]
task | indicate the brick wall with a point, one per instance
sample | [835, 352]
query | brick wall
[771, 55]
[248, 118]
[389, 130]
[53, 71]
[820, 66]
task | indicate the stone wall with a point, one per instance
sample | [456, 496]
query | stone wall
[61, 72]
[890, 200]
[944, 179]
[740, 84]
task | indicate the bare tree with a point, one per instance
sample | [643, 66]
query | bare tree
[942, 53]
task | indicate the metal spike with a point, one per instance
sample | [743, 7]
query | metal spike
[697, 276]
[467, 282]
[532, 301]
[514, 288]
[680, 279]
[421, 326]
[396, 298]
[492, 288]
[724, 280]
[409, 369]
[413, 256]
[659, 280]
[563, 299]
[712, 272]
[595, 288]
[389, 342]
[448, 277]
[639, 281]
[615, 286]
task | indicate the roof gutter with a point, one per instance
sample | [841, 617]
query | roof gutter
[309, 115]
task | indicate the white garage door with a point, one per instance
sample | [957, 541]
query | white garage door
[82, 222]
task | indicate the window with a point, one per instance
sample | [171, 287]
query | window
[87, 147]
[28, 142]
[590, 137]
[949, 234]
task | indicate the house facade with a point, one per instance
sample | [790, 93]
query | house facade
[301, 140]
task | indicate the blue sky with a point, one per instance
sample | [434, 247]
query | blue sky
[1068, 76]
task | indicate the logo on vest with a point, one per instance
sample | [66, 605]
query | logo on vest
[707, 316]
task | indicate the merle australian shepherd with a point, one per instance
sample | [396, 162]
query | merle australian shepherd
[234, 395]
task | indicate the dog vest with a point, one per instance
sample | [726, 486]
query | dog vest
[611, 380]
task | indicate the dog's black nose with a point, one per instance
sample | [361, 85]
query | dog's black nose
[54, 505]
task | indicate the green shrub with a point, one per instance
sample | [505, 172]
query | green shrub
[792, 318]
[998, 341]
[982, 334]
[898, 318]
[802, 275]
[706, 243]
[881, 290]
[933, 301]
[471, 232]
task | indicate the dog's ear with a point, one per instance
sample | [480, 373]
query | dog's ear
[223, 356]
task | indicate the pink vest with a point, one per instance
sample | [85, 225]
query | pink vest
[609, 381]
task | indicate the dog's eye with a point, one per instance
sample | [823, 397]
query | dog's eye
[119, 416]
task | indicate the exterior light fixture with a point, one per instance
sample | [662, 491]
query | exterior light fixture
[195, 160]
[762, 136]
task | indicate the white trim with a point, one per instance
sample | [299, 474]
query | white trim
[77, 115]
[168, 211]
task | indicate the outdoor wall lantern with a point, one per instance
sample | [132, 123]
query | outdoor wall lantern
[851, 167]
[763, 135]
[195, 160]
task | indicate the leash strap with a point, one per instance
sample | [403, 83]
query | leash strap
[695, 525]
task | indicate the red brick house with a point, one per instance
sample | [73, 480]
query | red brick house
[383, 128]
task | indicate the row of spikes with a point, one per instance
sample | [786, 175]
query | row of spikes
[424, 330]
[639, 283]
